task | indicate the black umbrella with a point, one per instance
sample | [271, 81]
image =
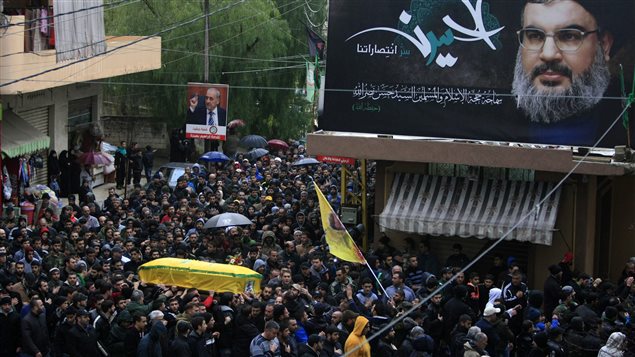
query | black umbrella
[256, 154]
[253, 141]
[306, 161]
[227, 220]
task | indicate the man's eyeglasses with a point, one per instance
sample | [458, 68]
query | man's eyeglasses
[567, 40]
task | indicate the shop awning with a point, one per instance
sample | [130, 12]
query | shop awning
[20, 137]
[457, 206]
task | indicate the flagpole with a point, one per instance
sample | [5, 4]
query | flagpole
[358, 251]
[377, 279]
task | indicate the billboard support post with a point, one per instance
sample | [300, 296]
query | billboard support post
[206, 144]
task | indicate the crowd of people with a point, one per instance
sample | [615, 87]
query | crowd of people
[69, 283]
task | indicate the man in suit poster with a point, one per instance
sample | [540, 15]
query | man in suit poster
[206, 116]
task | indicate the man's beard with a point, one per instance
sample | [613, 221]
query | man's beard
[550, 106]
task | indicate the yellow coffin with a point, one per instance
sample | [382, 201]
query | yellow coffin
[200, 275]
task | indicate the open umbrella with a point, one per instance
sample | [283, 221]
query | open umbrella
[227, 220]
[236, 123]
[213, 156]
[256, 154]
[200, 275]
[95, 158]
[253, 141]
[306, 161]
[277, 144]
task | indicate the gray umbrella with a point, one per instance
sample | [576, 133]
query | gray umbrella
[227, 220]
[306, 161]
[256, 154]
[253, 141]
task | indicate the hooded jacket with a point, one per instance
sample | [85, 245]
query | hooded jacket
[614, 346]
[357, 338]
[151, 345]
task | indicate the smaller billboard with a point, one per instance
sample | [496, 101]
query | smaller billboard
[206, 113]
[340, 160]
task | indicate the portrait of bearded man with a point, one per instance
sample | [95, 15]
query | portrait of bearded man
[562, 71]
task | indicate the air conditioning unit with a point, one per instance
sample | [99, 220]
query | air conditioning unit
[349, 215]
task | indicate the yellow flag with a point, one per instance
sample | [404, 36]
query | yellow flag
[340, 243]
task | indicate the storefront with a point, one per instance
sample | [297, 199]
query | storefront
[24, 149]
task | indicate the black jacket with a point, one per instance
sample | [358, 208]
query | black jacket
[451, 312]
[84, 342]
[246, 330]
[201, 346]
[35, 335]
[9, 333]
[552, 291]
[102, 329]
[180, 347]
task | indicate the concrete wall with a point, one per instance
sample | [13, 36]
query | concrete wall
[145, 131]
[622, 244]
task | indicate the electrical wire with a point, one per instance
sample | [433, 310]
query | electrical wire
[336, 90]
[265, 69]
[309, 7]
[123, 46]
[222, 25]
[396, 320]
[233, 37]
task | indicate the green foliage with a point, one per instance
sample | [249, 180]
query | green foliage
[252, 36]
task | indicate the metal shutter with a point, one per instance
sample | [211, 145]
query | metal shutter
[39, 118]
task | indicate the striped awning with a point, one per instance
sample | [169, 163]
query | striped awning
[458, 206]
[19, 137]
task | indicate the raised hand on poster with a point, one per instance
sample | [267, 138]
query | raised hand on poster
[193, 101]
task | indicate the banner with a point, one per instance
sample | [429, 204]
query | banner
[310, 81]
[206, 113]
[336, 160]
[495, 70]
[340, 242]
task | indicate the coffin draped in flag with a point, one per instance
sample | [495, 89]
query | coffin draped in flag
[340, 242]
[200, 275]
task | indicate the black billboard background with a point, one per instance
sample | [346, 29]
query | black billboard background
[479, 72]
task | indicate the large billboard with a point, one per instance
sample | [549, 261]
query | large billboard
[206, 113]
[502, 70]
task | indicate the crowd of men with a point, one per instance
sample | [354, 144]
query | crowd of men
[69, 283]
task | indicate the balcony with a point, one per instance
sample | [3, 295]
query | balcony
[139, 57]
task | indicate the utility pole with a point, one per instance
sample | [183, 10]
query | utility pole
[206, 63]
[206, 144]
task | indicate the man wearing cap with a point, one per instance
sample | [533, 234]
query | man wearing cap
[9, 328]
[567, 304]
[83, 337]
[63, 340]
[487, 325]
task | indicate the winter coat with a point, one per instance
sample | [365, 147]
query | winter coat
[84, 342]
[180, 347]
[9, 333]
[151, 345]
[35, 335]
[472, 351]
